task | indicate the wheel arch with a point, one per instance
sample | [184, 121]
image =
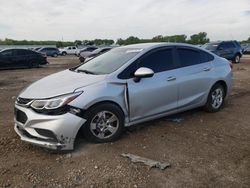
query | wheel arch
[106, 102]
[238, 53]
[223, 83]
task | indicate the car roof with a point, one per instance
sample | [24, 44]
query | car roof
[156, 45]
[47, 47]
[218, 42]
[14, 49]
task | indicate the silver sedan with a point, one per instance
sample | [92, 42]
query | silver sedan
[125, 86]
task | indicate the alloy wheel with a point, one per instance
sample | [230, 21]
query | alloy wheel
[104, 124]
[217, 98]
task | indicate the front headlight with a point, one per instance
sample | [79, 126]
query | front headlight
[54, 103]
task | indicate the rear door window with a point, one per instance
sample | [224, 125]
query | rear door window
[224, 45]
[21, 52]
[188, 57]
[230, 45]
[51, 49]
[44, 50]
[205, 57]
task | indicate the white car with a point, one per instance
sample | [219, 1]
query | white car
[120, 88]
[68, 50]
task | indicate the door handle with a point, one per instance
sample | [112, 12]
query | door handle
[206, 69]
[171, 78]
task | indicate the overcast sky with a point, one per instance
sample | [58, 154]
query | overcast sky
[90, 19]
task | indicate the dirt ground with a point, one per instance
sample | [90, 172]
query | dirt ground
[204, 149]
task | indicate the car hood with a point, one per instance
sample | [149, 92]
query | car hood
[86, 54]
[60, 83]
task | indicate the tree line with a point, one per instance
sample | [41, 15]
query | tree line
[199, 38]
[246, 41]
[33, 42]
[97, 42]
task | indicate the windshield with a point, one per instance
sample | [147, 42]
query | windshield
[108, 62]
[97, 50]
[210, 46]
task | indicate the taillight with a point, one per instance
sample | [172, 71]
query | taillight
[231, 65]
[44, 55]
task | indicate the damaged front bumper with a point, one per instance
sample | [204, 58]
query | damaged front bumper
[57, 132]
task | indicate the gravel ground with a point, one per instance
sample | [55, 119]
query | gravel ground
[204, 149]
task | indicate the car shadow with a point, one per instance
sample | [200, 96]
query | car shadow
[20, 68]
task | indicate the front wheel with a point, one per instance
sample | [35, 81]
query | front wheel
[105, 123]
[215, 99]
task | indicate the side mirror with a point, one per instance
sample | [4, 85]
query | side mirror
[143, 72]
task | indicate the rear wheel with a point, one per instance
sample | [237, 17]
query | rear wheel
[33, 65]
[236, 58]
[82, 59]
[55, 55]
[215, 99]
[105, 123]
[64, 53]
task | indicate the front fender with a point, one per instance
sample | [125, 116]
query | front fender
[103, 92]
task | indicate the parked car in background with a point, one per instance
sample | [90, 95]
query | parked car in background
[125, 86]
[89, 55]
[49, 51]
[246, 48]
[86, 49]
[68, 50]
[36, 49]
[230, 50]
[10, 58]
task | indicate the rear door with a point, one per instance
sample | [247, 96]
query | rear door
[226, 50]
[72, 50]
[20, 57]
[69, 50]
[157, 94]
[195, 76]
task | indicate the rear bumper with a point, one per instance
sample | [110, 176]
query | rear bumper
[49, 131]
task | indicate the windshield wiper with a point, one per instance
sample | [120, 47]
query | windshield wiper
[85, 71]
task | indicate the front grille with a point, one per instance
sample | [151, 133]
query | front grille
[20, 116]
[23, 101]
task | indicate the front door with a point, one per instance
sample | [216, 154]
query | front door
[157, 94]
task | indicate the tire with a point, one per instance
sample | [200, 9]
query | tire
[98, 128]
[216, 97]
[82, 59]
[33, 65]
[236, 59]
[64, 53]
[55, 55]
